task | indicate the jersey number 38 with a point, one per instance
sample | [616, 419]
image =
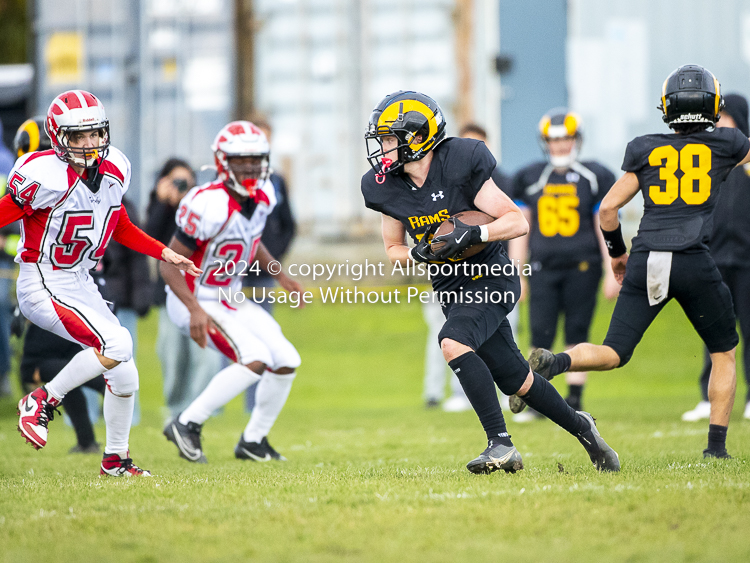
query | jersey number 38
[695, 163]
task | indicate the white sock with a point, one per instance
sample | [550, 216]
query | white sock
[225, 386]
[270, 397]
[118, 415]
[83, 367]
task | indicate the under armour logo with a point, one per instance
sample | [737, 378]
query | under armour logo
[438, 195]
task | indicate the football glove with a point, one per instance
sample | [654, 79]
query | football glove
[422, 252]
[462, 237]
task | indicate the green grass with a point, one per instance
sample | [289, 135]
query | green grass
[372, 476]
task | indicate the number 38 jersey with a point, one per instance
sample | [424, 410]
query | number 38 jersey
[680, 176]
[223, 234]
[562, 206]
[68, 220]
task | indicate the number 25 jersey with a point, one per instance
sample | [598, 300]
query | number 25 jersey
[222, 232]
[680, 176]
[68, 221]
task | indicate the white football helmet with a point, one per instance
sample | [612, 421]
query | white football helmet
[241, 138]
[73, 111]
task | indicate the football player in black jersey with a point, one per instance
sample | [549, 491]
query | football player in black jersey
[679, 175]
[730, 249]
[560, 197]
[420, 178]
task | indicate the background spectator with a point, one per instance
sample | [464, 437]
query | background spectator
[186, 367]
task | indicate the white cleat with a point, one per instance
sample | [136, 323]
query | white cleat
[702, 411]
[746, 416]
[457, 403]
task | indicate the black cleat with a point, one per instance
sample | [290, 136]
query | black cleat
[256, 451]
[540, 361]
[93, 448]
[187, 438]
[723, 454]
[602, 456]
[496, 456]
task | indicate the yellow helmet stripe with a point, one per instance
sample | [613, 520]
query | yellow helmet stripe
[391, 113]
[544, 126]
[718, 96]
[571, 124]
[33, 131]
[664, 96]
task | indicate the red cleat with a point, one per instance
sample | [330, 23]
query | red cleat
[35, 411]
[117, 466]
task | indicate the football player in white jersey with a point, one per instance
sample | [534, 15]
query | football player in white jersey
[69, 199]
[219, 227]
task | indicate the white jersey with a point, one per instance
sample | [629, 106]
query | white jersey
[222, 233]
[66, 223]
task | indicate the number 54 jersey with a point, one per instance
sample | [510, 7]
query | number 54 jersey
[68, 220]
[680, 177]
[223, 234]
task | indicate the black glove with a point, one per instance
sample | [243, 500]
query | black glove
[17, 323]
[462, 237]
[422, 252]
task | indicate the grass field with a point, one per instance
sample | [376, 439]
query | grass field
[373, 476]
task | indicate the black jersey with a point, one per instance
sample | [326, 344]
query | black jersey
[680, 176]
[459, 169]
[563, 206]
[730, 239]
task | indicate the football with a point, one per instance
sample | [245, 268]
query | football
[469, 218]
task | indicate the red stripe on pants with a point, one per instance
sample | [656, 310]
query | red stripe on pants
[77, 328]
[223, 344]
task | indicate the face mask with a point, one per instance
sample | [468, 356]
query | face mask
[565, 160]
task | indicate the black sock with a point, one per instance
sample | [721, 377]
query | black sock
[545, 399]
[561, 364]
[717, 438]
[574, 396]
[575, 391]
[477, 383]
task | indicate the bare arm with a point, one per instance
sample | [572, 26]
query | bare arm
[200, 322]
[618, 196]
[744, 160]
[394, 239]
[611, 287]
[518, 249]
[264, 258]
[510, 222]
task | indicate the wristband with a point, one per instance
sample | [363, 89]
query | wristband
[614, 241]
[484, 233]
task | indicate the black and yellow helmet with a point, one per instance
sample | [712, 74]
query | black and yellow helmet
[691, 94]
[414, 119]
[31, 137]
[561, 123]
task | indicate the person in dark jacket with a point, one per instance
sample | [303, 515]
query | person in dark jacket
[730, 249]
[277, 237]
[186, 367]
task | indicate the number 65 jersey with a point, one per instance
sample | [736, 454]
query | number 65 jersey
[223, 234]
[680, 176]
[68, 221]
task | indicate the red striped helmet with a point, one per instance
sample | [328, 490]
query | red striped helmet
[241, 138]
[77, 111]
